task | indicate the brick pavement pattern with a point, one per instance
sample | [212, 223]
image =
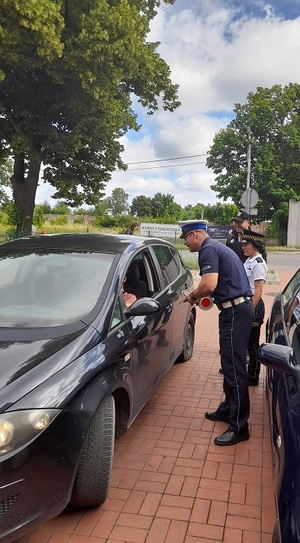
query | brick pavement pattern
[170, 482]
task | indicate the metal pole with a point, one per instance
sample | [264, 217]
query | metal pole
[248, 168]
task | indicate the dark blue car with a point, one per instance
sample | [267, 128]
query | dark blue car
[281, 355]
[78, 361]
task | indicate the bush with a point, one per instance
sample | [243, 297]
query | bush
[62, 219]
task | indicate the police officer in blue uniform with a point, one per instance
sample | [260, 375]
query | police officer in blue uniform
[224, 278]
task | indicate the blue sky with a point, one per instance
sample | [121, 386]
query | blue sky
[218, 52]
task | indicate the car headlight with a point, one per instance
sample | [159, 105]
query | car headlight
[20, 427]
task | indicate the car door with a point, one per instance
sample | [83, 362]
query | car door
[284, 394]
[175, 279]
[151, 334]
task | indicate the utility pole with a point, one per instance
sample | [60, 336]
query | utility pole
[248, 169]
[249, 197]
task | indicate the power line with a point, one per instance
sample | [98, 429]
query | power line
[164, 167]
[164, 159]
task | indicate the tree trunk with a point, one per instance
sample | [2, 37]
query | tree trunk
[24, 182]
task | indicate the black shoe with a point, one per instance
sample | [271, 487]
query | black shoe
[221, 371]
[215, 416]
[231, 438]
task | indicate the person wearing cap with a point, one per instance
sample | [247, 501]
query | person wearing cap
[224, 278]
[240, 222]
[256, 270]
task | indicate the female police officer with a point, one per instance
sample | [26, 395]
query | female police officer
[224, 278]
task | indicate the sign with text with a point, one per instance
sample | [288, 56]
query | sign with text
[160, 230]
[174, 230]
[219, 232]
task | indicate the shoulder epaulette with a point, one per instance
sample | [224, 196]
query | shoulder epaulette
[259, 259]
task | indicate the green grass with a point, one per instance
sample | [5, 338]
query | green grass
[83, 228]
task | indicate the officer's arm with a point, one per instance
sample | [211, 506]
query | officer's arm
[205, 287]
[258, 289]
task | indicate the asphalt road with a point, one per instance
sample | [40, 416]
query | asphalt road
[284, 261]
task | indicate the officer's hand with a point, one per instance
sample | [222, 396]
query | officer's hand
[187, 298]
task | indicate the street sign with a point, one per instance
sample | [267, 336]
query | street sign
[219, 232]
[249, 198]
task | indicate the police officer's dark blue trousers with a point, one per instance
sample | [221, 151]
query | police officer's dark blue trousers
[254, 364]
[235, 325]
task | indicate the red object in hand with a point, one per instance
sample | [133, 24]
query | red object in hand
[205, 303]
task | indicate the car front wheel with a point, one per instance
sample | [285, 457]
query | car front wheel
[92, 480]
[188, 342]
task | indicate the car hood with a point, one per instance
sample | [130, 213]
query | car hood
[24, 365]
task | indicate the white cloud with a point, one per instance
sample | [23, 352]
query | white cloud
[218, 53]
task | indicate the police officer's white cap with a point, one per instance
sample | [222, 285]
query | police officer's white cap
[188, 226]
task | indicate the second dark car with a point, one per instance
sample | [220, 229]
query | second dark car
[281, 355]
[78, 364]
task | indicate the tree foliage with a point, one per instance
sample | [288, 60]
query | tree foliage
[141, 206]
[118, 202]
[6, 169]
[220, 213]
[68, 71]
[160, 202]
[273, 118]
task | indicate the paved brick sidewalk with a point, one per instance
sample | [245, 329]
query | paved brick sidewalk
[170, 483]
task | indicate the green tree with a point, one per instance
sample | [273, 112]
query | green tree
[38, 216]
[273, 118]
[160, 203]
[46, 208]
[141, 206]
[101, 208]
[193, 212]
[61, 208]
[118, 202]
[220, 213]
[6, 170]
[68, 72]
[172, 214]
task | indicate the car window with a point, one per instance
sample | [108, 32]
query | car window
[8, 270]
[51, 289]
[117, 315]
[290, 298]
[169, 262]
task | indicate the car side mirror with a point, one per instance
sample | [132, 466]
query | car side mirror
[278, 358]
[142, 306]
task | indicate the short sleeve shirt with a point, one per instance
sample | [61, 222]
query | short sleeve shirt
[256, 269]
[215, 257]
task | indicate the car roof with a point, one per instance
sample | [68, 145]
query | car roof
[101, 243]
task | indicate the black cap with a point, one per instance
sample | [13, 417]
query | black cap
[242, 215]
[248, 236]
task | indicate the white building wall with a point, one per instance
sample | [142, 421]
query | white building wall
[293, 234]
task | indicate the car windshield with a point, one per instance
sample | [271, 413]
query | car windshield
[40, 290]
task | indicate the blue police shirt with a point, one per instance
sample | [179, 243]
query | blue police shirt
[215, 257]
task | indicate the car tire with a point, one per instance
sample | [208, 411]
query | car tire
[188, 342]
[92, 481]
